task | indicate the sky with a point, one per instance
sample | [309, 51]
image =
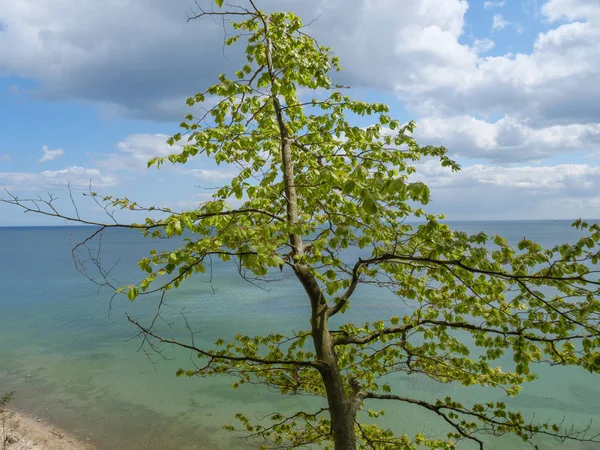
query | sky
[91, 89]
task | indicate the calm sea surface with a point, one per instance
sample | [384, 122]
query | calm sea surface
[73, 359]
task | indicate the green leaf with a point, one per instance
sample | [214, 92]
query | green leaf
[219, 3]
[348, 187]
[132, 293]
[370, 206]
[177, 227]
[173, 258]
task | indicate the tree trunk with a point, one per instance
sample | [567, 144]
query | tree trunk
[341, 408]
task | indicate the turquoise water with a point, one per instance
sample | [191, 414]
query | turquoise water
[73, 359]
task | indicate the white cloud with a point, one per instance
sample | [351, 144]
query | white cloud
[483, 45]
[567, 37]
[213, 175]
[50, 155]
[144, 146]
[78, 177]
[554, 84]
[563, 177]
[112, 53]
[508, 139]
[106, 52]
[5, 157]
[116, 52]
[531, 7]
[131, 53]
[195, 200]
[135, 151]
[489, 4]
[572, 10]
[479, 191]
[499, 23]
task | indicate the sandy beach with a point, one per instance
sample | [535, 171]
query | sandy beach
[21, 432]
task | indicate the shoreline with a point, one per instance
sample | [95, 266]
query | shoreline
[25, 432]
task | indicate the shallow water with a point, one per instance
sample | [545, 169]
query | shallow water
[75, 361]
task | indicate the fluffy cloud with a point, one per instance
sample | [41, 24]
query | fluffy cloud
[509, 139]
[578, 179]
[567, 37]
[483, 45]
[555, 83]
[135, 151]
[77, 177]
[496, 192]
[499, 23]
[140, 57]
[212, 175]
[132, 54]
[50, 155]
[572, 10]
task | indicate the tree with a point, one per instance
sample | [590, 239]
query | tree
[312, 185]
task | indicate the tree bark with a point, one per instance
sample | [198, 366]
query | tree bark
[341, 409]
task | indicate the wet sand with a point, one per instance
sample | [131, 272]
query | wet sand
[22, 432]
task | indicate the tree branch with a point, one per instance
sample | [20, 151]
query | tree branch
[343, 300]
[458, 263]
[525, 431]
[216, 356]
[430, 407]
[346, 340]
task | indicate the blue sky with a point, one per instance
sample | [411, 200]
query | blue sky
[89, 90]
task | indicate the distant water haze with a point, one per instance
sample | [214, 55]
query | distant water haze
[73, 359]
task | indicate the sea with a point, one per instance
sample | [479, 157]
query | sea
[72, 358]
